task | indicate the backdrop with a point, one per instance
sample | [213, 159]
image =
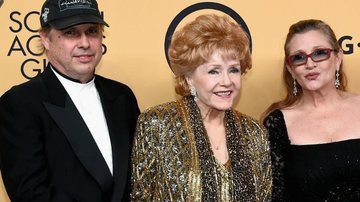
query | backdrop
[134, 44]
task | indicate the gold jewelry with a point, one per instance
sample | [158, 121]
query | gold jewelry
[213, 145]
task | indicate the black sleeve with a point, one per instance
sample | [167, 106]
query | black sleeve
[24, 168]
[279, 140]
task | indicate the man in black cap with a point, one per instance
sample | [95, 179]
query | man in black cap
[66, 134]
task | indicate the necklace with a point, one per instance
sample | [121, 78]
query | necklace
[216, 142]
[213, 145]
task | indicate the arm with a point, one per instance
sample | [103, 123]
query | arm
[144, 171]
[133, 111]
[278, 142]
[261, 162]
[24, 167]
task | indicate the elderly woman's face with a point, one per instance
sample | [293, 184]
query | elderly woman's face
[217, 82]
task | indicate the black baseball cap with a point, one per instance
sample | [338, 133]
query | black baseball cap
[62, 14]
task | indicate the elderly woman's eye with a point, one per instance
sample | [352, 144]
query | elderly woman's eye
[235, 70]
[213, 72]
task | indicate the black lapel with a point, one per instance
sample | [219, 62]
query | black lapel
[116, 113]
[69, 120]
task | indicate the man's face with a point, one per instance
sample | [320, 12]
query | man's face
[75, 51]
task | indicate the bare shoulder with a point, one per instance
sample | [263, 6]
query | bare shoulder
[292, 115]
[351, 98]
[290, 111]
[349, 107]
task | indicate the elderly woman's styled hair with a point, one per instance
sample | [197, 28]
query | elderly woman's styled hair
[194, 44]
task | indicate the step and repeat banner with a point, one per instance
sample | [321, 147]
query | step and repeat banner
[136, 41]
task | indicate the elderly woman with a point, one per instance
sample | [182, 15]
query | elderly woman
[198, 148]
[315, 130]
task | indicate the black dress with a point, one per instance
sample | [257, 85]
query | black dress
[317, 172]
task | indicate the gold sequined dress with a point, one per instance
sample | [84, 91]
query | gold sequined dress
[172, 159]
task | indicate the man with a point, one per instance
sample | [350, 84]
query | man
[66, 135]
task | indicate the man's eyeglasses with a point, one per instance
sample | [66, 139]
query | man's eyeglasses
[301, 58]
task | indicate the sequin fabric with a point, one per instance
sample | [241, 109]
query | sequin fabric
[314, 172]
[279, 140]
[172, 159]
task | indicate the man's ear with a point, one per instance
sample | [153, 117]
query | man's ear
[45, 39]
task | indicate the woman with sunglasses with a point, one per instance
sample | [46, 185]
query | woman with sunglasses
[314, 131]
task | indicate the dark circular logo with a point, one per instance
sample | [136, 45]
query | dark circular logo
[199, 6]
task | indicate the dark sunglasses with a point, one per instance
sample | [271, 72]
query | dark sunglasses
[301, 58]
